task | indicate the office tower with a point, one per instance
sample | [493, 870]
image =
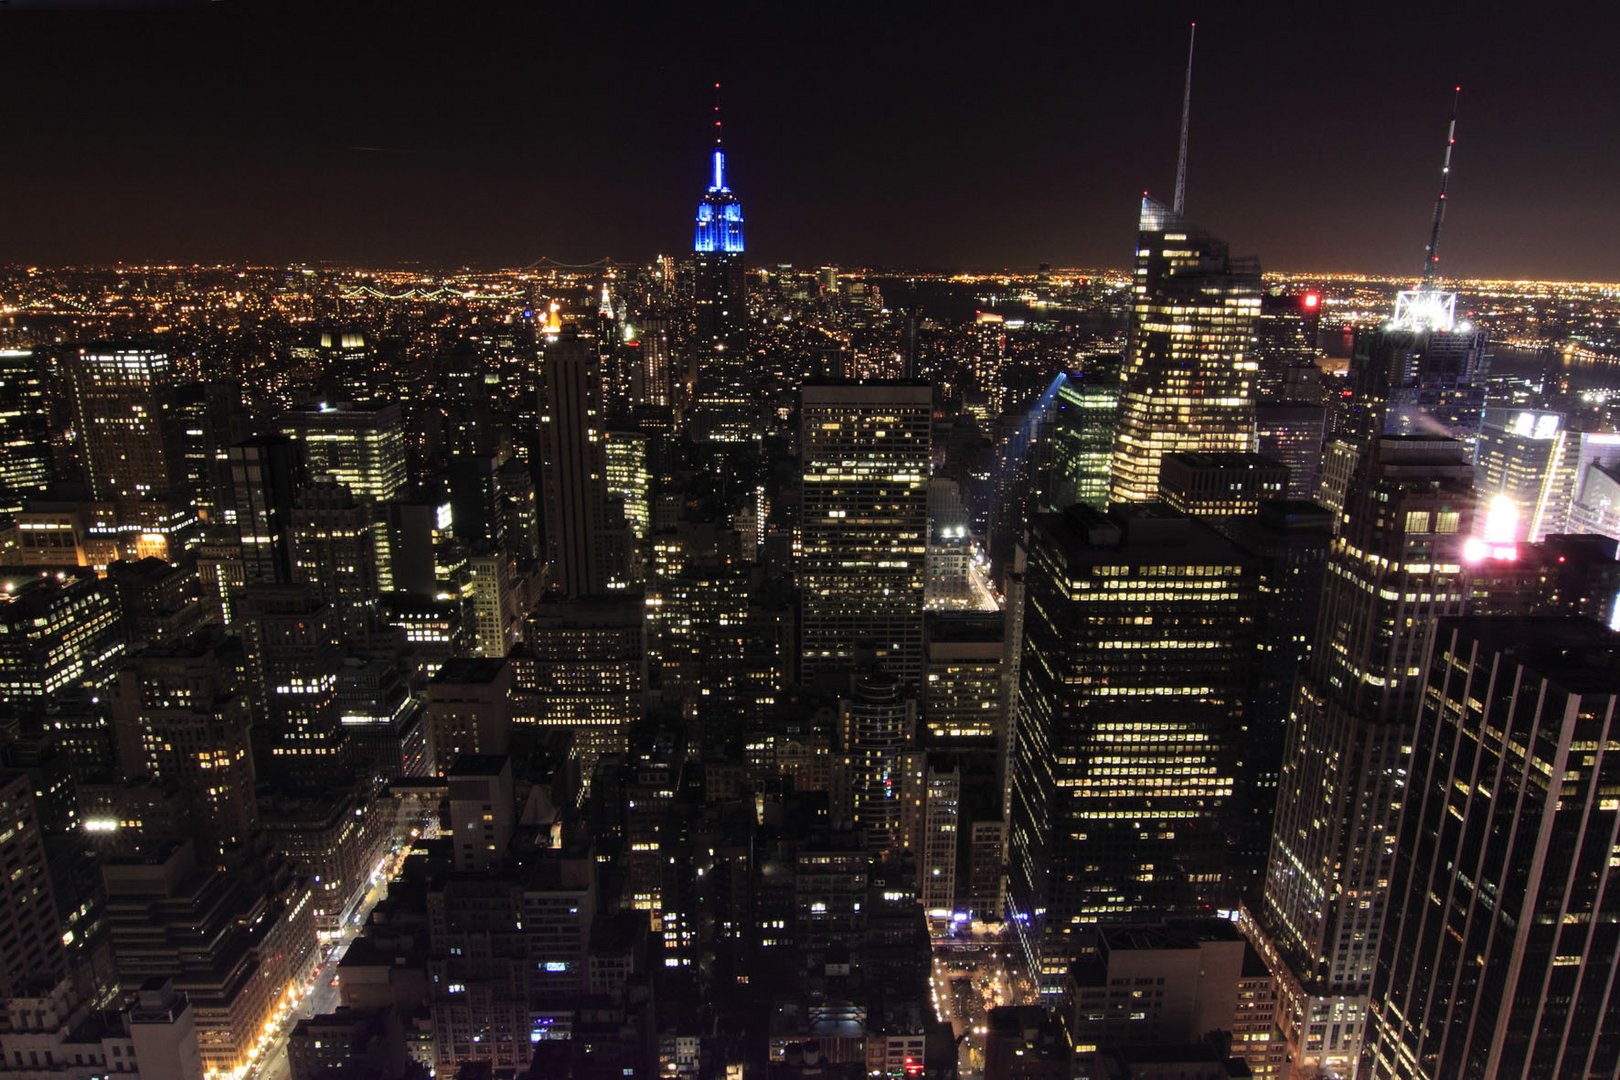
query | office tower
[120, 400]
[1202, 977]
[499, 596]
[1498, 952]
[1518, 458]
[469, 709]
[1340, 457]
[179, 718]
[482, 813]
[1292, 434]
[238, 943]
[1225, 485]
[334, 549]
[1188, 380]
[476, 514]
[864, 455]
[1082, 434]
[1285, 345]
[207, 421]
[520, 509]
[360, 446]
[265, 475]
[1421, 372]
[650, 373]
[32, 956]
[1129, 751]
[26, 466]
[56, 635]
[727, 401]
[507, 952]
[589, 670]
[1562, 575]
[1288, 542]
[158, 601]
[937, 843]
[292, 643]
[573, 468]
[1394, 568]
[628, 479]
[962, 692]
[877, 722]
[950, 549]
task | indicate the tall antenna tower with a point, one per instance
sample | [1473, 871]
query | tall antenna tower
[1431, 260]
[1186, 116]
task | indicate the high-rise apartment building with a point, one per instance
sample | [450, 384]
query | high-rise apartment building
[1188, 380]
[1395, 567]
[865, 460]
[1497, 956]
[119, 409]
[1128, 750]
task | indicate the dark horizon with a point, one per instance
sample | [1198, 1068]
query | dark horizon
[400, 135]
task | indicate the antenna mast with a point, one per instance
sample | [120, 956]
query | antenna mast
[1186, 115]
[1431, 260]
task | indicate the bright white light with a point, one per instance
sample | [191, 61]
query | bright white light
[1425, 309]
[1502, 520]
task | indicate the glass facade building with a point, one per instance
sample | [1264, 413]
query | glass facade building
[1189, 376]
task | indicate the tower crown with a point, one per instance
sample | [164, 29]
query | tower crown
[719, 214]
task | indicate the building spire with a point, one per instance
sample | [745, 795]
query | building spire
[1186, 116]
[1431, 260]
[717, 128]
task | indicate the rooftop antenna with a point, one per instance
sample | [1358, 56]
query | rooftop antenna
[719, 151]
[1186, 115]
[1431, 260]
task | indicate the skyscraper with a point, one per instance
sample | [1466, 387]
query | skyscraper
[31, 946]
[361, 446]
[1082, 439]
[1128, 749]
[865, 460]
[1497, 956]
[118, 408]
[1393, 570]
[573, 467]
[180, 719]
[26, 468]
[877, 723]
[1188, 381]
[726, 402]
[265, 474]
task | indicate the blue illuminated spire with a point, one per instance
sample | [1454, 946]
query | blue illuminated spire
[719, 215]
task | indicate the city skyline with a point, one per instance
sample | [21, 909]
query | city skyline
[364, 140]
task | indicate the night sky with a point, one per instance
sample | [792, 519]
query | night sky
[879, 134]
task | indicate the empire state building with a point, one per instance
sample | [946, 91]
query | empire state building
[725, 396]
